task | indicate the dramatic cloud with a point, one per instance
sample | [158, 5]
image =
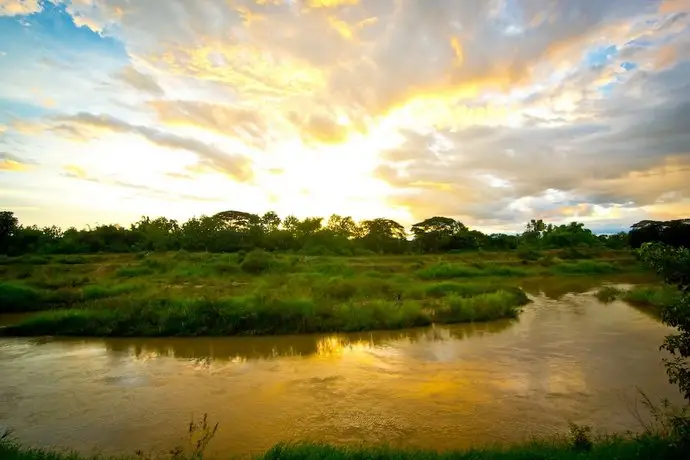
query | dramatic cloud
[19, 7]
[9, 162]
[140, 81]
[233, 165]
[490, 111]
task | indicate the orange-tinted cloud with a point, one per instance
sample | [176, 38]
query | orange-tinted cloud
[12, 163]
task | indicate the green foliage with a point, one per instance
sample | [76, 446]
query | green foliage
[337, 305]
[102, 292]
[657, 297]
[235, 231]
[133, 271]
[584, 267]
[608, 294]
[257, 262]
[674, 265]
[580, 437]
[644, 447]
[528, 254]
[482, 307]
[16, 298]
[450, 270]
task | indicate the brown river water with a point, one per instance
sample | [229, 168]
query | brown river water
[569, 358]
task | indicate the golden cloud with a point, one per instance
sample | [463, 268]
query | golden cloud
[674, 6]
[12, 163]
[329, 3]
[19, 7]
[75, 171]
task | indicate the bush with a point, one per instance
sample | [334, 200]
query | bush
[257, 262]
[608, 294]
[528, 254]
[482, 307]
[16, 298]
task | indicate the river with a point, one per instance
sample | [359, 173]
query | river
[567, 358]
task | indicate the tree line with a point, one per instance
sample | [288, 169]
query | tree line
[232, 231]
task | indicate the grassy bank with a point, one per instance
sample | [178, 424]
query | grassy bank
[653, 297]
[645, 447]
[181, 293]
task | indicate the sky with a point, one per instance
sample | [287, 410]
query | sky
[492, 112]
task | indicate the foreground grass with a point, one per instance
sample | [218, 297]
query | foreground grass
[646, 447]
[188, 294]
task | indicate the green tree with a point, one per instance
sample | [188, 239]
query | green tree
[674, 265]
[437, 233]
[383, 235]
[9, 225]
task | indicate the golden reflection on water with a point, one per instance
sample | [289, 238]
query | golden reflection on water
[567, 358]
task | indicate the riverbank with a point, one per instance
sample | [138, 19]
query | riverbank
[646, 447]
[650, 297]
[259, 293]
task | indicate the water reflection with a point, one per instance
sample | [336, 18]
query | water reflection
[573, 359]
[556, 287]
[240, 349]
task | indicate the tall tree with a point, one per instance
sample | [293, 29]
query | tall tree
[8, 227]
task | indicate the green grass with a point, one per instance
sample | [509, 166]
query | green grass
[17, 298]
[449, 271]
[656, 297]
[175, 293]
[583, 267]
[644, 447]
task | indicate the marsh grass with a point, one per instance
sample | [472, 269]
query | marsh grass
[258, 292]
[17, 298]
[572, 447]
[608, 294]
[450, 271]
[656, 297]
[584, 267]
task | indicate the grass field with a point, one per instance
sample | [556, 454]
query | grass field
[181, 293]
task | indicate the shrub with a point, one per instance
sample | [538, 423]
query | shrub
[528, 254]
[338, 288]
[608, 294]
[257, 262]
[482, 307]
[16, 298]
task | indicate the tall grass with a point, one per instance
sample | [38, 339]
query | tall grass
[643, 447]
[264, 313]
[450, 270]
[651, 296]
[17, 298]
[583, 267]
